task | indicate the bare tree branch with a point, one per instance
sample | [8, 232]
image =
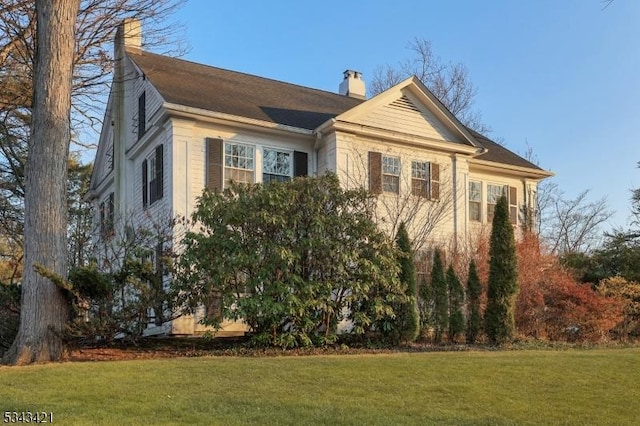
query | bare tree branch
[449, 82]
[572, 225]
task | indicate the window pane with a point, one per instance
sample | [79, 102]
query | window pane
[474, 211]
[419, 188]
[475, 191]
[390, 183]
[419, 169]
[276, 162]
[391, 165]
[494, 192]
[238, 156]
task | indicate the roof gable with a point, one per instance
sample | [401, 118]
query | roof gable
[409, 108]
[103, 162]
[214, 89]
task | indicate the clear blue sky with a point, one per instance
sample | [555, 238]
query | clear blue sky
[560, 75]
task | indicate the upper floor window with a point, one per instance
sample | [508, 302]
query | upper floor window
[142, 114]
[494, 192]
[107, 216]
[276, 165]
[153, 177]
[391, 174]
[239, 163]
[420, 178]
[475, 201]
[232, 161]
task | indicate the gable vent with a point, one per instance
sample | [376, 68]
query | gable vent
[405, 104]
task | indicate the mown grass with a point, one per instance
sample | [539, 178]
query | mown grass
[598, 386]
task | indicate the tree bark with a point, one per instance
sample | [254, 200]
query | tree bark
[45, 307]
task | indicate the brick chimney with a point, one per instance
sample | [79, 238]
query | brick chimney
[353, 85]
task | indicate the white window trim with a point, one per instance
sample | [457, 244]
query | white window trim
[225, 168]
[479, 202]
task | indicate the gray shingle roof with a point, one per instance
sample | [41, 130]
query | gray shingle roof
[499, 154]
[215, 89]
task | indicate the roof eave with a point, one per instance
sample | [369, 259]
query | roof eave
[528, 172]
[178, 110]
[388, 135]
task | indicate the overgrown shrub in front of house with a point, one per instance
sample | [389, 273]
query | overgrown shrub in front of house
[293, 260]
[122, 291]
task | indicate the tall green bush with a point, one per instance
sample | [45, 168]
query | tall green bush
[503, 277]
[408, 317]
[440, 297]
[474, 292]
[456, 301]
[293, 260]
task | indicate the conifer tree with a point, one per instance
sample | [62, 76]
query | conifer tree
[456, 299]
[409, 318]
[425, 306]
[474, 291]
[440, 299]
[503, 277]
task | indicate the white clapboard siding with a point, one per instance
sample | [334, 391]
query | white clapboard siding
[405, 116]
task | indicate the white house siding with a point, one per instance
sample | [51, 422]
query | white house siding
[137, 85]
[408, 116]
[103, 165]
[352, 166]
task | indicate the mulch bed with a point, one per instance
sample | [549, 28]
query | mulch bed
[155, 348]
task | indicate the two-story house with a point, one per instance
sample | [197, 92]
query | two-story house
[174, 127]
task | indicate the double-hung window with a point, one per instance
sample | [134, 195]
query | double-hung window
[494, 192]
[239, 163]
[420, 178]
[475, 201]
[277, 165]
[107, 216]
[391, 174]
[153, 177]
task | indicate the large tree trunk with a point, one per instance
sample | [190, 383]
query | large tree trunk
[45, 307]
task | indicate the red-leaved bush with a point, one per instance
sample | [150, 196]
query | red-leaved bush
[552, 305]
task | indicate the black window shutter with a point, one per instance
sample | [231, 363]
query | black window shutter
[142, 114]
[300, 164]
[111, 212]
[102, 220]
[145, 183]
[159, 172]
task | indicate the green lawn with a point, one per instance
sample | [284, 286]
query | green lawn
[599, 386]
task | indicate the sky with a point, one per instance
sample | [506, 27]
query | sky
[559, 76]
